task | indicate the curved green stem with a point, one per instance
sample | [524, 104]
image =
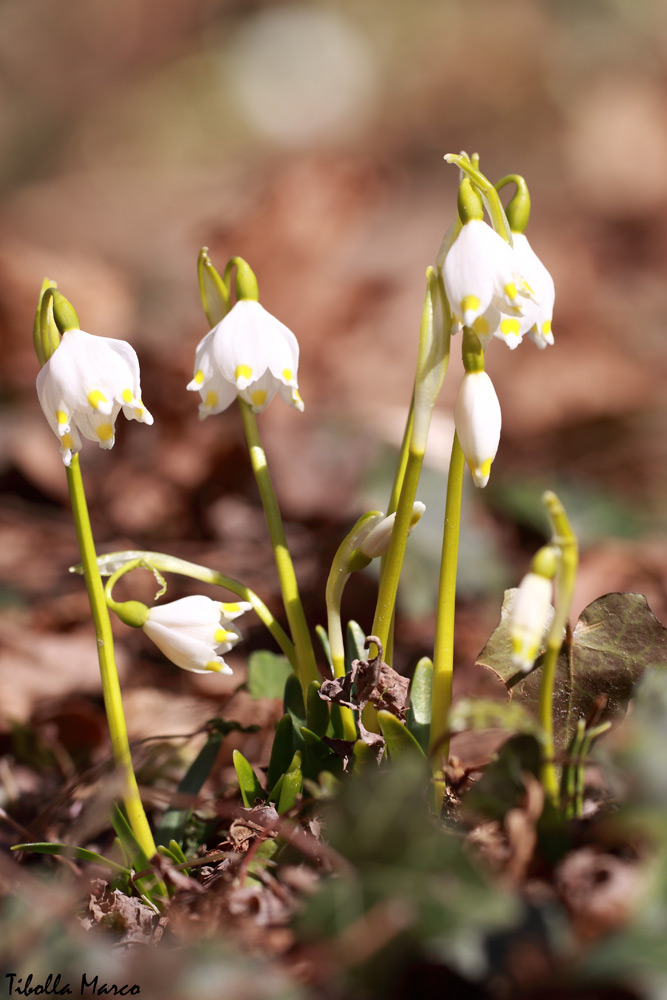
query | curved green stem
[564, 538]
[306, 667]
[492, 202]
[443, 653]
[113, 561]
[110, 685]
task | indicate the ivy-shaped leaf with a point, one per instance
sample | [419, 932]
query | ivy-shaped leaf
[616, 639]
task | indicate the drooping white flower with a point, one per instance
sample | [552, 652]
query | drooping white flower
[249, 354]
[376, 542]
[480, 267]
[537, 316]
[478, 419]
[530, 617]
[83, 387]
[194, 632]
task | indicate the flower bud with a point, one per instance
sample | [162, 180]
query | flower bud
[377, 541]
[478, 420]
[530, 617]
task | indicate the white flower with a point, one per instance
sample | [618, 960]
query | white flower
[530, 617]
[193, 632]
[477, 418]
[537, 311]
[249, 354]
[84, 385]
[376, 542]
[537, 314]
[479, 268]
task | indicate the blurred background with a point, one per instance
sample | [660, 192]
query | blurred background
[309, 138]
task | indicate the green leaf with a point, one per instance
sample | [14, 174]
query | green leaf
[292, 785]
[274, 794]
[615, 640]
[71, 851]
[282, 750]
[177, 852]
[267, 674]
[400, 741]
[318, 757]
[175, 819]
[419, 714]
[355, 643]
[130, 844]
[248, 780]
[364, 757]
[323, 636]
[317, 710]
[293, 700]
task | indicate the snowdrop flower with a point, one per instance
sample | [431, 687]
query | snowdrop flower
[530, 617]
[478, 419]
[193, 632]
[480, 269]
[538, 314]
[83, 387]
[376, 542]
[249, 354]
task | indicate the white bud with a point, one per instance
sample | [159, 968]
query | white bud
[530, 617]
[478, 420]
[194, 631]
[377, 541]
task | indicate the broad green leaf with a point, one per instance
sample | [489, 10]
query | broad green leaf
[71, 851]
[616, 639]
[400, 741]
[248, 780]
[282, 751]
[267, 674]
[355, 643]
[419, 713]
[293, 700]
[292, 785]
[317, 710]
[318, 757]
[130, 844]
[323, 636]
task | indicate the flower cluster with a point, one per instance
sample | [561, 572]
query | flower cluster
[194, 632]
[83, 387]
[249, 354]
[496, 289]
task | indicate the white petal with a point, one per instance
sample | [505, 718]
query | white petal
[479, 265]
[478, 421]
[530, 617]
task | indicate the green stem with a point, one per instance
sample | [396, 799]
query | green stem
[306, 666]
[564, 538]
[110, 685]
[388, 589]
[164, 563]
[492, 202]
[443, 652]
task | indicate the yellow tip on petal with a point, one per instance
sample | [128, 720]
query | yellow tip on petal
[232, 608]
[61, 417]
[213, 666]
[258, 397]
[222, 635]
[509, 326]
[95, 397]
[127, 395]
[288, 374]
[481, 326]
[105, 432]
[510, 291]
[469, 303]
[67, 442]
[546, 327]
[242, 371]
[211, 399]
[199, 376]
